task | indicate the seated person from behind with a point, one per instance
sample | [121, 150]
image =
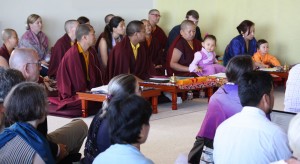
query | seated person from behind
[249, 136]
[127, 130]
[262, 56]
[26, 106]
[182, 50]
[205, 62]
[98, 139]
[223, 104]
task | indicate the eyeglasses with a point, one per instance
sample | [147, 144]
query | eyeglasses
[157, 15]
[39, 63]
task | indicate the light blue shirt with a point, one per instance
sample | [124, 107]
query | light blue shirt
[250, 137]
[122, 153]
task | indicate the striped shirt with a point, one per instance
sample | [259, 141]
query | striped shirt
[16, 151]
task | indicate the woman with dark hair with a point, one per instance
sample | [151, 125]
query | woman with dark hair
[224, 103]
[129, 127]
[243, 44]
[34, 38]
[98, 139]
[26, 106]
[113, 33]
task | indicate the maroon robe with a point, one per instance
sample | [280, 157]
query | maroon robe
[161, 36]
[4, 52]
[157, 57]
[57, 53]
[187, 55]
[121, 61]
[72, 77]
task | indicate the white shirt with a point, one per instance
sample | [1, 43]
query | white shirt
[121, 153]
[250, 137]
[292, 91]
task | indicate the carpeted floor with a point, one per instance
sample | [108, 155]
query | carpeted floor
[172, 133]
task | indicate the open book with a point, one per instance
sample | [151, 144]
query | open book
[101, 89]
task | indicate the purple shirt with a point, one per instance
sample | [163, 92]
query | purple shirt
[223, 104]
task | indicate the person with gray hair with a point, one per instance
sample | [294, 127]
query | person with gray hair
[26, 106]
[130, 55]
[10, 41]
[69, 138]
[98, 139]
[61, 46]
[154, 17]
[78, 71]
[294, 141]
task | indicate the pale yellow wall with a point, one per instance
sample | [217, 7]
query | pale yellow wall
[277, 21]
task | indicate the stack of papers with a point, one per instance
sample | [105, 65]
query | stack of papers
[101, 89]
[274, 69]
[219, 75]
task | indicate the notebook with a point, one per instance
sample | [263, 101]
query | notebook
[282, 118]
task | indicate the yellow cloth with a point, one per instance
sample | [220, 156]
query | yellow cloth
[135, 49]
[86, 59]
[267, 59]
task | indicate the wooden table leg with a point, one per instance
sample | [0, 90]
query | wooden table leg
[174, 100]
[84, 108]
[210, 91]
[154, 104]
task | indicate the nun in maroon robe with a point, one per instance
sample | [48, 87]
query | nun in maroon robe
[72, 77]
[58, 51]
[121, 61]
[4, 53]
[187, 55]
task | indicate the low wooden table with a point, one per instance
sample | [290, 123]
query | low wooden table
[85, 97]
[283, 75]
[174, 89]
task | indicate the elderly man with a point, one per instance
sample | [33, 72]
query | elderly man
[154, 17]
[78, 72]
[249, 136]
[191, 15]
[68, 138]
[130, 55]
[62, 46]
[10, 41]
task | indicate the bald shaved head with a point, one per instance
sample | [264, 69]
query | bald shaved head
[7, 33]
[26, 60]
[186, 23]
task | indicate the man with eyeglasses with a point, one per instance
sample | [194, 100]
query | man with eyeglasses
[130, 55]
[191, 15]
[69, 138]
[154, 17]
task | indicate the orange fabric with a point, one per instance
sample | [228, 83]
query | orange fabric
[267, 59]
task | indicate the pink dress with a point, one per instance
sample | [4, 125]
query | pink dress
[206, 60]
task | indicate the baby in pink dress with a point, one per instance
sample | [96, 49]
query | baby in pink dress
[205, 62]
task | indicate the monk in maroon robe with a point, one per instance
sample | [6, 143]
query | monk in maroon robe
[155, 51]
[10, 39]
[78, 71]
[182, 50]
[62, 46]
[157, 32]
[123, 59]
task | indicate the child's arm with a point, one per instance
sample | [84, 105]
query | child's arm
[274, 61]
[193, 67]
